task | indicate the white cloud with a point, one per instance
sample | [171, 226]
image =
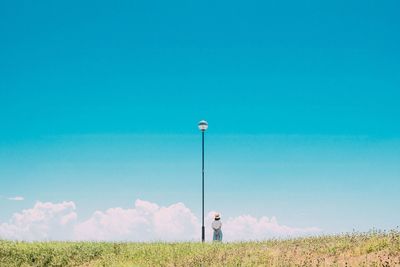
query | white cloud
[45, 221]
[145, 221]
[17, 198]
[247, 227]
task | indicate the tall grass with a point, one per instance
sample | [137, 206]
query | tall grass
[356, 249]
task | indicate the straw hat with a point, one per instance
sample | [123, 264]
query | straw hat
[216, 216]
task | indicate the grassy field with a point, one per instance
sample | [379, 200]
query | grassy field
[357, 249]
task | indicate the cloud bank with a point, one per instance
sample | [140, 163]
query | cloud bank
[145, 221]
[45, 221]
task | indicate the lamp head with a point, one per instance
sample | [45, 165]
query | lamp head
[203, 125]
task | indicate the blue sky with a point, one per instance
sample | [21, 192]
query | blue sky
[99, 104]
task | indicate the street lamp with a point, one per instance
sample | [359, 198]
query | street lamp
[203, 125]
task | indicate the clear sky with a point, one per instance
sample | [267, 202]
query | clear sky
[99, 104]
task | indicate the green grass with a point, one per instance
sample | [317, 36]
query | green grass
[356, 249]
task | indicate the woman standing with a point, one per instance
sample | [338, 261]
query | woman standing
[216, 226]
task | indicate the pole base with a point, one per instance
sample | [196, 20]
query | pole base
[203, 234]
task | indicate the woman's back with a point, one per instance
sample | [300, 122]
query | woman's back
[216, 226]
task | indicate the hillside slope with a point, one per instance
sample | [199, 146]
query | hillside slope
[356, 249]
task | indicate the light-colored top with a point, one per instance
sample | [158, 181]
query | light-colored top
[216, 225]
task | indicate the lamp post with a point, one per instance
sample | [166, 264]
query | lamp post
[203, 125]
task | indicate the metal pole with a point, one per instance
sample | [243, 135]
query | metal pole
[203, 230]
